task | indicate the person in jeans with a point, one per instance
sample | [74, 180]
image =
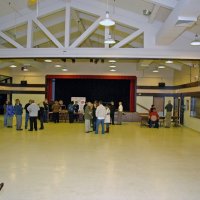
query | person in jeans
[100, 114]
[18, 109]
[33, 109]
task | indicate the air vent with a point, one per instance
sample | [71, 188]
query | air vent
[186, 21]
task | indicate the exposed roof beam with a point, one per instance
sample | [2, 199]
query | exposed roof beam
[7, 22]
[67, 22]
[170, 31]
[128, 39]
[158, 53]
[174, 66]
[47, 32]
[154, 13]
[164, 3]
[86, 34]
[144, 64]
[10, 40]
[81, 26]
[30, 34]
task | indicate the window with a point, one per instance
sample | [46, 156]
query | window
[195, 107]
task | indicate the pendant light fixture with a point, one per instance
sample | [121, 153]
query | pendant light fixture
[196, 41]
[107, 21]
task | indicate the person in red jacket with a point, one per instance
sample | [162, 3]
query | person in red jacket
[153, 118]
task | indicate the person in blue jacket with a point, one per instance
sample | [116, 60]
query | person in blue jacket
[18, 109]
[10, 113]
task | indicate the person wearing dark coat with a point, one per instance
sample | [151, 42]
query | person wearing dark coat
[41, 115]
[112, 112]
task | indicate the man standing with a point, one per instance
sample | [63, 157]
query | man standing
[100, 114]
[70, 109]
[88, 117]
[18, 113]
[120, 113]
[112, 112]
[168, 108]
[76, 109]
[33, 114]
[27, 114]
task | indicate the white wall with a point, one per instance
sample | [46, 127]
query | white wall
[145, 101]
[24, 98]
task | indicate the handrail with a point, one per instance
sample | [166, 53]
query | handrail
[142, 107]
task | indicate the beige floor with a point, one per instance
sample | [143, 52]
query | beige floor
[131, 163]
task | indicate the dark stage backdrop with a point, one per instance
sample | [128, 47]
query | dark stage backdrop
[94, 89]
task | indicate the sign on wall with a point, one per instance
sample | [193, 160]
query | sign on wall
[81, 102]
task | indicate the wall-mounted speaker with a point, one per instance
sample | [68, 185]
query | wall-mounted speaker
[161, 84]
[23, 83]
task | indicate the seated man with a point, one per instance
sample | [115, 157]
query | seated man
[153, 118]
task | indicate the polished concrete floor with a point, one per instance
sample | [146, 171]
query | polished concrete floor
[130, 163]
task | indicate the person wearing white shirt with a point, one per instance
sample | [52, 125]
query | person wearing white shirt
[33, 109]
[120, 113]
[100, 114]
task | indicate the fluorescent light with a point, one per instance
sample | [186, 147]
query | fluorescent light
[113, 70]
[64, 70]
[161, 67]
[57, 66]
[196, 41]
[48, 60]
[13, 66]
[169, 61]
[155, 71]
[112, 66]
[107, 21]
[112, 61]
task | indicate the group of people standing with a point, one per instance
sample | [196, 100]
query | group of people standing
[58, 106]
[154, 117]
[33, 112]
[97, 114]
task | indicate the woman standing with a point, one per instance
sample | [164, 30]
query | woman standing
[107, 118]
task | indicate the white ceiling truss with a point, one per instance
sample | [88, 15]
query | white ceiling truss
[71, 29]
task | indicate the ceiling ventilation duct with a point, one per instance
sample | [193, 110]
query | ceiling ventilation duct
[186, 21]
